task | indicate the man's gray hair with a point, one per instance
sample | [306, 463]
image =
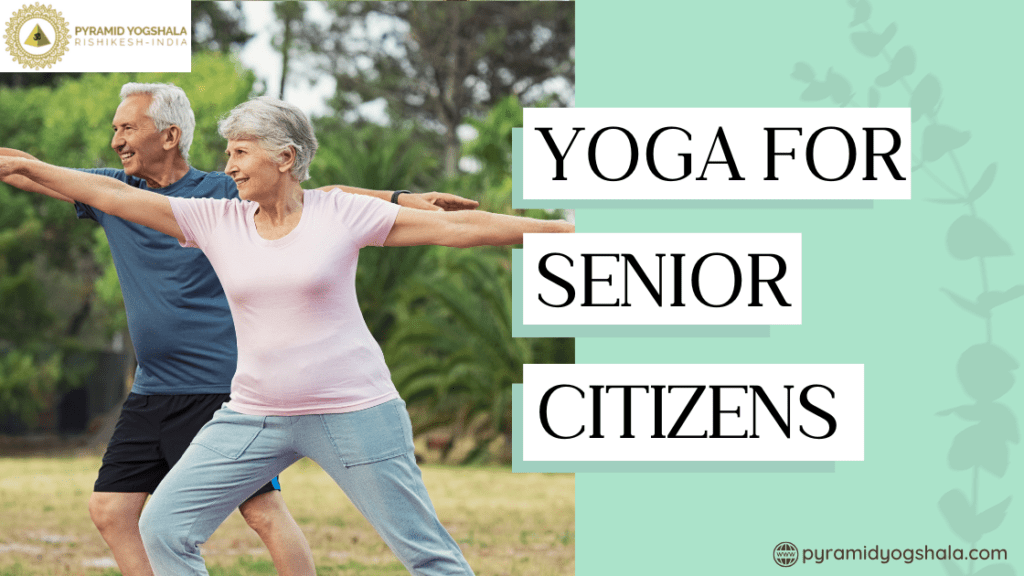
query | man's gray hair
[170, 106]
[275, 125]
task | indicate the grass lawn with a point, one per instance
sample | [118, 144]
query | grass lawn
[507, 524]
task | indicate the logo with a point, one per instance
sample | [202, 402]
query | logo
[785, 554]
[36, 36]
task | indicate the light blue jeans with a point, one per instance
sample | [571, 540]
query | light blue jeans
[369, 454]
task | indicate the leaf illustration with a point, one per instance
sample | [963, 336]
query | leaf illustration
[970, 237]
[902, 65]
[803, 72]
[839, 88]
[1001, 569]
[873, 97]
[986, 371]
[999, 421]
[957, 511]
[984, 183]
[940, 139]
[979, 445]
[994, 298]
[925, 98]
[816, 91]
[995, 415]
[990, 519]
[966, 412]
[966, 304]
[871, 44]
[947, 200]
[861, 12]
[952, 568]
[1003, 422]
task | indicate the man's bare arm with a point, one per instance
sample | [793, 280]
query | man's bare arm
[26, 184]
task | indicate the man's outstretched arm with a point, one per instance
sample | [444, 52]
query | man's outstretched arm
[26, 184]
[435, 201]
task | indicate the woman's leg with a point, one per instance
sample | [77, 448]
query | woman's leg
[369, 454]
[228, 461]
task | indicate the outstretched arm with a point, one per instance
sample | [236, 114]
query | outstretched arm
[106, 194]
[434, 201]
[465, 229]
[23, 182]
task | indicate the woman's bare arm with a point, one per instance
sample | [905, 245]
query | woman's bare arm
[466, 228]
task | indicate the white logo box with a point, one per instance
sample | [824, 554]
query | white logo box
[744, 132]
[101, 36]
[834, 389]
[716, 278]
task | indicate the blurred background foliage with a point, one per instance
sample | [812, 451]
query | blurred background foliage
[441, 315]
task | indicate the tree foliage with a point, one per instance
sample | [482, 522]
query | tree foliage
[441, 63]
[442, 315]
[218, 27]
[290, 15]
[451, 349]
[58, 287]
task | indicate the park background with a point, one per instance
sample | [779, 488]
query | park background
[418, 96]
[878, 285]
[904, 287]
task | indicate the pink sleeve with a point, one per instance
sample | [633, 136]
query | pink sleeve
[197, 217]
[368, 220]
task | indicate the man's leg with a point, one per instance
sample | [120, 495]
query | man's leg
[267, 514]
[116, 515]
[132, 467]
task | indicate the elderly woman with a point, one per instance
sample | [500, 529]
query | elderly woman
[311, 381]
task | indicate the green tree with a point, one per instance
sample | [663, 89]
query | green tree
[452, 354]
[439, 63]
[58, 287]
[218, 27]
[290, 14]
[375, 157]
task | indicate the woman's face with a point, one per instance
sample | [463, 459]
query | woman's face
[256, 174]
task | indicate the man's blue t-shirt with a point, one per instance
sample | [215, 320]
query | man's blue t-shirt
[178, 316]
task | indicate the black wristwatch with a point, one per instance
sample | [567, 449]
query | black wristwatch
[396, 194]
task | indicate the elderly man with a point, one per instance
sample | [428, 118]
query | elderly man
[181, 328]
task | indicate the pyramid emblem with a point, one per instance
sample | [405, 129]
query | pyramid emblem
[37, 38]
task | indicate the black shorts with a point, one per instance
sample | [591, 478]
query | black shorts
[151, 435]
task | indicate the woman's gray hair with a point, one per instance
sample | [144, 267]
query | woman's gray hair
[275, 125]
[170, 107]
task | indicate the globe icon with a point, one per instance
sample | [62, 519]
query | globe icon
[785, 554]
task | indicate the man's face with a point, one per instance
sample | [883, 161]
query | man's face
[136, 139]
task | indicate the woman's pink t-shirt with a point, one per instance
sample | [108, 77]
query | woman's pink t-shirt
[303, 347]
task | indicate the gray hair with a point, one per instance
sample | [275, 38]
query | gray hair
[170, 107]
[275, 125]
